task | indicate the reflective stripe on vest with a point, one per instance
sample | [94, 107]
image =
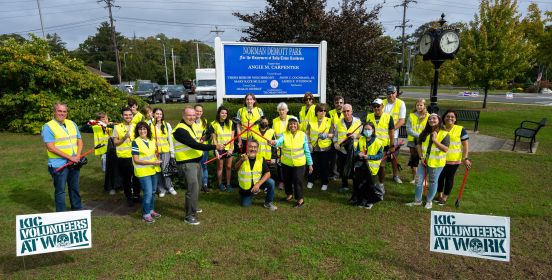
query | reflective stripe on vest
[305, 117]
[100, 137]
[382, 127]
[65, 139]
[293, 153]
[455, 148]
[162, 138]
[146, 153]
[248, 118]
[372, 150]
[199, 128]
[342, 130]
[396, 110]
[124, 150]
[324, 127]
[265, 150]
[248, 177]
[436, 158]
[279, 126]
[223, 133]
[334, 117]
[183, 152]
[138, 117]
[417, 125]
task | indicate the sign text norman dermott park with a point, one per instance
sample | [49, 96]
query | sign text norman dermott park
[270, 70]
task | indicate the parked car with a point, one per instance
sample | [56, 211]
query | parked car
[122, 88]
[175, 93]
[151, 92]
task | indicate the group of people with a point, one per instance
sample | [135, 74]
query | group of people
[319, 144]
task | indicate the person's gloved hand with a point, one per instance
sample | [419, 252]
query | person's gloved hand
[323, 136]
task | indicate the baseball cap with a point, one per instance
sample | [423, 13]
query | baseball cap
[377, 101]
[391, 89]
[293, 118]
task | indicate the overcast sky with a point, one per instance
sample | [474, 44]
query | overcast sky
[75, 20]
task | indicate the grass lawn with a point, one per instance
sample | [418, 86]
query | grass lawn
[325, 239]
[455, 90]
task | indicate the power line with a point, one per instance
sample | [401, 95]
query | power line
[110, 4]
[60, 25]
[404, 4]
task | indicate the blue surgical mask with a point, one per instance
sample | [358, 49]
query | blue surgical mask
[367, 133]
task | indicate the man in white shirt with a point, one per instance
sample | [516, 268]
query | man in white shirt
[397, 109]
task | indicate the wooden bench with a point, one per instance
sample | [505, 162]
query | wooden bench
[469, 115]
[529, 130]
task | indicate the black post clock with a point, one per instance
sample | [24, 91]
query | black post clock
[438, 44]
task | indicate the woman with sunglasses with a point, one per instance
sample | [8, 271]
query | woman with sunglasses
[307, 112]
[318, 132]
[432, 149]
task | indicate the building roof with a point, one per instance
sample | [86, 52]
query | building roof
[99, 73]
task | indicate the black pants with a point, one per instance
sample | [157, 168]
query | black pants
[366, 186]
[341, 161]
[125, 170]
[333, 162]
[321, 165]
[293, 180]
[446, 179]
[110, 171]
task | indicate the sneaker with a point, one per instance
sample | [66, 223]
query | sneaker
[205, 189]
[428, 205]
[415, 203]
[343, 189]
[413, 182]
[155, 215]
[362, 204]
[299, 205]
[229, 188]
[222, 187]
[112, 192]
[162, 194]
[324, 187]
[191, 220]
[441, 202]
[270, 206]
[148, 219]
[397, 180]
[172, 191]
[199, 210]
[368, 206]
[309, 185]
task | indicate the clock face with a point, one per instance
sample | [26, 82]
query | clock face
[449, 42]
[425, 44]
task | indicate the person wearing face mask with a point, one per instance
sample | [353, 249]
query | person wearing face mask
[248, 115]
[335, 116]
[385, 131]
[366, 188]
[307, 113]
[264, 150]
[318, 132]
[345, 140]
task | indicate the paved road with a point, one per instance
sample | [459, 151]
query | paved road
[521, 98]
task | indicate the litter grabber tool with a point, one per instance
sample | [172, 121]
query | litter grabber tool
[462, 188]
[82, 159]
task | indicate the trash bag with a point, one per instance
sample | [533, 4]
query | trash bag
[171, 168]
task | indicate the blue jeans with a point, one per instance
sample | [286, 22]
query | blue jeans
[205, 174]
[149, 184]
[432, 179]
[267, 186]
[61, 178]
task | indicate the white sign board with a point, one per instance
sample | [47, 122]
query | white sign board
[479, 236]
[53, 232]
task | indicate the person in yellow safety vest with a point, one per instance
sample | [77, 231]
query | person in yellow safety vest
[147, 112]
[265, 151]
[248, 115]
[279, 125]
[345, 140]
[223, 131]
[307, 113]
[397, 109]
[457, 153]
[295, 157]
[385, 132]
[162, 134]
[200, 128]
[102, 131]
[416, 122]
[63, 144]
[122, 138]
[253, 176]
[320, 141]
[146, 168]
[366, 188]
[335, 115]
[137, 116]
[432, 149]
[188, 153]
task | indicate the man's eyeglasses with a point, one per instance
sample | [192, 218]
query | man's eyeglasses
[346, 111]
[376, 106]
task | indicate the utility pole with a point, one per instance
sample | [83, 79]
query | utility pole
[109, 4]
[41, 22]
[217, 31]
[404, 4]
[197, 54]
[174, 73]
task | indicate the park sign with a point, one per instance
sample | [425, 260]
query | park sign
[479, 236]
[53, 232]
[270, 70]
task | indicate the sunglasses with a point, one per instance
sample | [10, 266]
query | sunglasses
[376, 106]
[321, 110]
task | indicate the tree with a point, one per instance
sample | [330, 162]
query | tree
[359, 62]
[55, 42]
[18, 38]
[493, 48]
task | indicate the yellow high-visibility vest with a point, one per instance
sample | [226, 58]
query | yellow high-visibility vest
[279, 126]
[146, 153]
[396, 111]
[454, 153]
[65, 141]
[342, 130]
[223, 133]
[417, 124]
[335, 117]
[371, 151]
[162, 138]
[437, 158]
[315, 129]
[382, 127]
[138, 117]
[100, 137]
[248, 176]
[199, 128]
[124, 150]
[265, 150]
[184, 152]
[293, 153]
[306, 116]
[248, 118]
